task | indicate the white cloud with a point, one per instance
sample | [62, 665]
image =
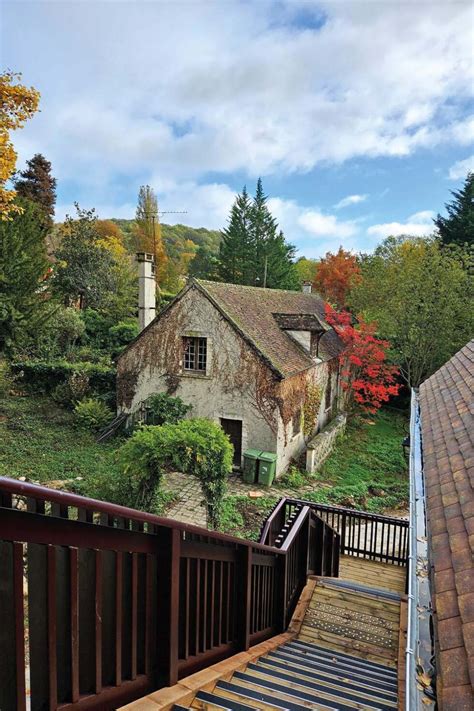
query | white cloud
[459, 170]
[350, 200]
[419, 224]
[205, 205]
[187, 89]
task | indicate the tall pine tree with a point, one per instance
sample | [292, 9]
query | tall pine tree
[36, 183]
[236, 253]
[253, 252]
[24, 270]
[458, 227]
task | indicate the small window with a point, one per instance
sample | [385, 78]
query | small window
[328, 394]
[195, 354]
[296, 423]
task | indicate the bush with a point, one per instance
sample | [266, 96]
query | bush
[122, 334]
[198, 447]
[74, 389]
[61, 333]
[43, 376]
[6, 380]
[92, 414]
[162, 408]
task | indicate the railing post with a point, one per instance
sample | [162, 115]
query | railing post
[245, 597]
[282, 593]
[342, 542]
[167, 634]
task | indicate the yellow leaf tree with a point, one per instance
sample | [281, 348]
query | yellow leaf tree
[18, 103]
[148, 230]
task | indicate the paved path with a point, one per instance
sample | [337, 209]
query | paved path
[189, 509]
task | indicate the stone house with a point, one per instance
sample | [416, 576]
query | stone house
[262, 362]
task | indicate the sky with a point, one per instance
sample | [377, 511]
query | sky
[357, 115]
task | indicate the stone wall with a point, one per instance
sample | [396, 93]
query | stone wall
[320, 447]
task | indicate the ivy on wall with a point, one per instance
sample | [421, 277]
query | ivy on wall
[312, 403]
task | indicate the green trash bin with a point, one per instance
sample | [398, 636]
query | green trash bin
[251, 465]
[267, 468]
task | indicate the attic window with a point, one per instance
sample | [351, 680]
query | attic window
[195, 354]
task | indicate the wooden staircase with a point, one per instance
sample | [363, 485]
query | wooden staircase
[343, 658]
[299, 675]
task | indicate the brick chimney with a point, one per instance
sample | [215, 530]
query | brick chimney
[307, 287]
[146, 288]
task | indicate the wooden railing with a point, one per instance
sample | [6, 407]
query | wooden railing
[100, 604]
[363, 534]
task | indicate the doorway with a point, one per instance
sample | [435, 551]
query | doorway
[233, 428]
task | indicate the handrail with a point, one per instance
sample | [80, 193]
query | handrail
[353, 512]
[295, 529]
[270, 518]
[65, 498]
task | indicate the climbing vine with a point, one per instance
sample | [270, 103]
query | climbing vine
[311, 407]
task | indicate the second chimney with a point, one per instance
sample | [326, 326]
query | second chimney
[146, 289]
[307, 287]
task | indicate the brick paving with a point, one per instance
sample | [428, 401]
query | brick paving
[188, 507]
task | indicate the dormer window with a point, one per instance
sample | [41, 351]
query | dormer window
[195, 354]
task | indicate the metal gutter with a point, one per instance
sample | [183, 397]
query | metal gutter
[419, 655]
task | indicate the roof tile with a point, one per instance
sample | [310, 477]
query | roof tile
[447, 423]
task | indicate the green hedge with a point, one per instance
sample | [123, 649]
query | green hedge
[44, 376]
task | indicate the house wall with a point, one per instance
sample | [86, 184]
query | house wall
[235, 382]
[290, 446]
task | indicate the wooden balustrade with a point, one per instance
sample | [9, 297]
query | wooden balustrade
[100, 604]
[363, 534]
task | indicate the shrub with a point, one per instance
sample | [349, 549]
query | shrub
[92, 413]
[162, 408]
[122, 333]
[198, 447]
[6, 380]
[44, 376]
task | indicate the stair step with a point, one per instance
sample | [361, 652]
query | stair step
[263, 693]
[333, 678]
[332, 667]
[312, 690]
[355, 664]
[358, 587]
[335, 699]
[252, 697]
[207, 700]
[316, 649]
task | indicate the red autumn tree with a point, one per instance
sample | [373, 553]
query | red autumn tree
[366, 375]
[335, 275]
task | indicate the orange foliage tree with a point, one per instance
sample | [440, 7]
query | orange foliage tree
[366, 376]
[335, 275]
[18, 104]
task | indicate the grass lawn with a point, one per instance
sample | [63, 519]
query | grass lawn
[40, 441]
[366, 469]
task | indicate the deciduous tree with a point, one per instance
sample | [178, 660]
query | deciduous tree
[148, 230]
[84, 266]
[18, 104]
[421, 297]
[367, 376]
[335, 275]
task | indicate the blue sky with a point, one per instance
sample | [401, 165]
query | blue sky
[357, 115]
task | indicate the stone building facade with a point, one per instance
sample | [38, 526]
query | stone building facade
[261, 362]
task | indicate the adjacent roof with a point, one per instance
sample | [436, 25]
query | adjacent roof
[251, 309]
[447, 422]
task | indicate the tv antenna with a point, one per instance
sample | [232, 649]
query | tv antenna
[158, 214]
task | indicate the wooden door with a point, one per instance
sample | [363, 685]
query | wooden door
[233, 428]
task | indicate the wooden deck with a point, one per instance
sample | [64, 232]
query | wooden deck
[381, 576]
[359, 612]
